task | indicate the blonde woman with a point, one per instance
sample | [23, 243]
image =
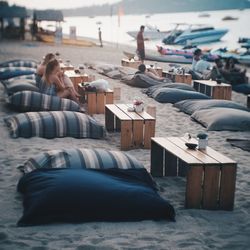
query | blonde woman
[51, 84]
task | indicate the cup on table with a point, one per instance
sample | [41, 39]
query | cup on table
[117, 93]
[151, 109]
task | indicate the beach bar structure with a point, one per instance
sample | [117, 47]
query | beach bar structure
[47, 15]
[12, 21]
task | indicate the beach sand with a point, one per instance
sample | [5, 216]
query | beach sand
[193, 229]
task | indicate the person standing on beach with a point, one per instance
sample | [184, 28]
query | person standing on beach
[140, 44]
[100, 36]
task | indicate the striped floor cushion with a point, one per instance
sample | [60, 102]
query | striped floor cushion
[20, 85]
[54, 124]
[25, 101]
[80, 158]
[10, 72]
[29, 63]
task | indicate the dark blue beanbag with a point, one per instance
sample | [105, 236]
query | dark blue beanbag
[10, 72]
[243, 88]
[80, 195]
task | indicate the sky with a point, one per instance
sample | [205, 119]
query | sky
[58, 4]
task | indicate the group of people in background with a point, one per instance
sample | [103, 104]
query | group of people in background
[226, 72]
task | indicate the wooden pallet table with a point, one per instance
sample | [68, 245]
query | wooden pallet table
[183, 78]
[130, 63]
[213, 89]
[77, 78]
[210, 176]
[66, 67]
[136, 128]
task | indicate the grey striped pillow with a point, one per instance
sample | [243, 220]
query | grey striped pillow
[29, 63]
[34, 101]
[54, 124]
[80, 158]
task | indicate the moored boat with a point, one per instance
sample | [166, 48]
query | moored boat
[184, 34]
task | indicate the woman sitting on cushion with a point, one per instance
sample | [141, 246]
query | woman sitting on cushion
[50, 83]
[152, 73]
[41, 68]
[62, 78]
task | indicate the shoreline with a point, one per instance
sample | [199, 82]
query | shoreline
[193, 229]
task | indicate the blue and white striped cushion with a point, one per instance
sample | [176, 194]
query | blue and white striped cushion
[80, 158]
[29, 63]
[34, 101]
[20, 85]
[54, 124]
[10, 72]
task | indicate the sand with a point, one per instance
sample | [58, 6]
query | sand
[193, 229]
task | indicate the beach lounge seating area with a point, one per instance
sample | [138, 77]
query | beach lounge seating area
[116, 185]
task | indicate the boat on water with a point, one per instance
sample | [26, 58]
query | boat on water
[50, 38]
[229, 18]
[186, 53]
[150, 33]
[186, 34]
[242, 57]
[160, 58]
[244, 40]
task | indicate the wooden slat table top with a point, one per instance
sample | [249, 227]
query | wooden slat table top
[72, 73]
[118, 112]
[175, 150]
[204, 158]
[176, 145]
[133, 115]
[144, 114]
[212, 83]
[214, 154]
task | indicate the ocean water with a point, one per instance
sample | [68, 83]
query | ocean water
[113, 32]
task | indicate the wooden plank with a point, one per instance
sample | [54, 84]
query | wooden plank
[126, 135]
[109, 120]
[227, 187]
[182, 168]
[222, 159]
[170, 164]
[201, 156]
[117, 124]
[109, 97]
[211, 187]
[149, 132]
[144, 115]
[175, 150]
[156, 160]
[132, 115]
[137, 133]
[194, 187]
[119, 113]
[91, 98]
[100, 103]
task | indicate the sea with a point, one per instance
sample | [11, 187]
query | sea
[114, 28]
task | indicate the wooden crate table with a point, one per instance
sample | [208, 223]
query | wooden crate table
[184, 78]
[156, 68]
[213, 89]
[66, 67]
[77, 78]
[130, 63]
[136, 128]
[210, 176]
[96, 101]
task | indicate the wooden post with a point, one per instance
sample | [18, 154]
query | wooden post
[100, 103]
[149, 132]
[91, 96]
[156, 162]
[109, 120]
[126, 135]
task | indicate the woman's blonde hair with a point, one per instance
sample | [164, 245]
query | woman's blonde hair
[51, 65]
[48, 57]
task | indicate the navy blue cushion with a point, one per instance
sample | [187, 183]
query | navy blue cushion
[242, 88]
[80, 195]
[10, 72]
[172, 95]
